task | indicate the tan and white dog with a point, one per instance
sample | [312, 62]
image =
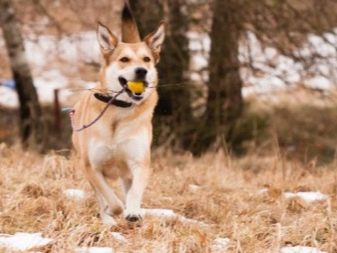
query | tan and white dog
[118, 145]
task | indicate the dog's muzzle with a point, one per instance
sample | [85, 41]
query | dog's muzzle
[135, 88]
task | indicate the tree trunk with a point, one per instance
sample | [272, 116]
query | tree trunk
[30, 111]
[173, 111]
[224, 103]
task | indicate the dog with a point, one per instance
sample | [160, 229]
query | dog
[118, 145]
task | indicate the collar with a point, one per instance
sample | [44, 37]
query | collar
[116, 102]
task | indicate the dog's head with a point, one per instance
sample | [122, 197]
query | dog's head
[130, 62]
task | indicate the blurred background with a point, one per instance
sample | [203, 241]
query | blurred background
[245, 76]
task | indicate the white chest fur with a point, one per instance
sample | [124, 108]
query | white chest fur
[128, 143]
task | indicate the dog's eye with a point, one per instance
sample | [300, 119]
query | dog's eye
[124, 59]
[147, 59]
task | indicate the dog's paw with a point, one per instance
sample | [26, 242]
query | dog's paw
[133, 216]
[108, 220]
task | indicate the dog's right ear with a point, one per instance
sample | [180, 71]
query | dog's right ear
[106, 39]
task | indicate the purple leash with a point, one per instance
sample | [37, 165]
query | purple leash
[72, 113]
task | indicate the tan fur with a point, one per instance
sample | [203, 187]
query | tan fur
[118, 145]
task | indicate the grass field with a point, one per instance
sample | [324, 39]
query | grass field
[228, 200]
[221, 195]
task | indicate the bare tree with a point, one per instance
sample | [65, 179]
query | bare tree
[173, 111]
[224, 102]
[30, 111]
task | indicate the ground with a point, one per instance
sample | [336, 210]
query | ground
[220, 191]
[242, 196]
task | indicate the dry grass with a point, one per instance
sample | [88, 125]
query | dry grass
[294, 152]
[31, 199]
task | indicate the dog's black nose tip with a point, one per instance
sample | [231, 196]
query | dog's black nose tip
[140, 73]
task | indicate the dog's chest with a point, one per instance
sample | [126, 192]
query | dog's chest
[125, 143]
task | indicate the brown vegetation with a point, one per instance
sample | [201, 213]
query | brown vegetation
[227, 199]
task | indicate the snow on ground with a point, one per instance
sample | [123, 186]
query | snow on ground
[168, 213]
[220, 245]
[45, 85]
[300, 249]
[194, 187]
[119, 236]
[94, 250]
[262, 191]
[307, 196]
[274, 71]
[8, 97]
[42, 53]
[73, 49]
[23, 241]
[76, 194]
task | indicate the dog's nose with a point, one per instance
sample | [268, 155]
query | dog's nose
[140, 73]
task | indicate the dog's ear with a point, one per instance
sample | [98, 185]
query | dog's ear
[106, 39]
[155, 40]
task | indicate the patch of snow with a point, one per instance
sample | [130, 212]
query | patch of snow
[300, 249]
[219, 245]
[262, 190]
[47, 83]
[193, 187]
[23, 241]
[270, 53]
[74, 194]
[199, 41]
[118, 236]
[318, 82]
[94, 250]
[196, 77]
[8, 97]
[168, 213]
[160, 212]
[78, 47]
[272, 70]
[192, 221]
[307, 196]
[198, 62]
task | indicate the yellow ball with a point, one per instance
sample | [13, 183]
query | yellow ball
[136, 86]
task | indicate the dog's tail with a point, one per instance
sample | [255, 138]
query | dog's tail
[130, 33]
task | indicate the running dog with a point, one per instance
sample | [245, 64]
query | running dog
[118, 145]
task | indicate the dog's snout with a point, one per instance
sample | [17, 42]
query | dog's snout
[140, 73]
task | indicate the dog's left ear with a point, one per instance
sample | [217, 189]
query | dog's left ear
[106, 39]
[155, 41]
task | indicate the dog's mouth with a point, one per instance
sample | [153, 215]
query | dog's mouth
[136, 95]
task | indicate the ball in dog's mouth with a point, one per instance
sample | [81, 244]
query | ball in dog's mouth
[137, 87]
[134, 88]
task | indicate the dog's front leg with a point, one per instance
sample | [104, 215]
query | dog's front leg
[108, 202]
[104, 209]
[105, 194]
[140, 175]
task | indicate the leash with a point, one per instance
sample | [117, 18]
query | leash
[85, 126]
[166, 85]
[108, 103]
